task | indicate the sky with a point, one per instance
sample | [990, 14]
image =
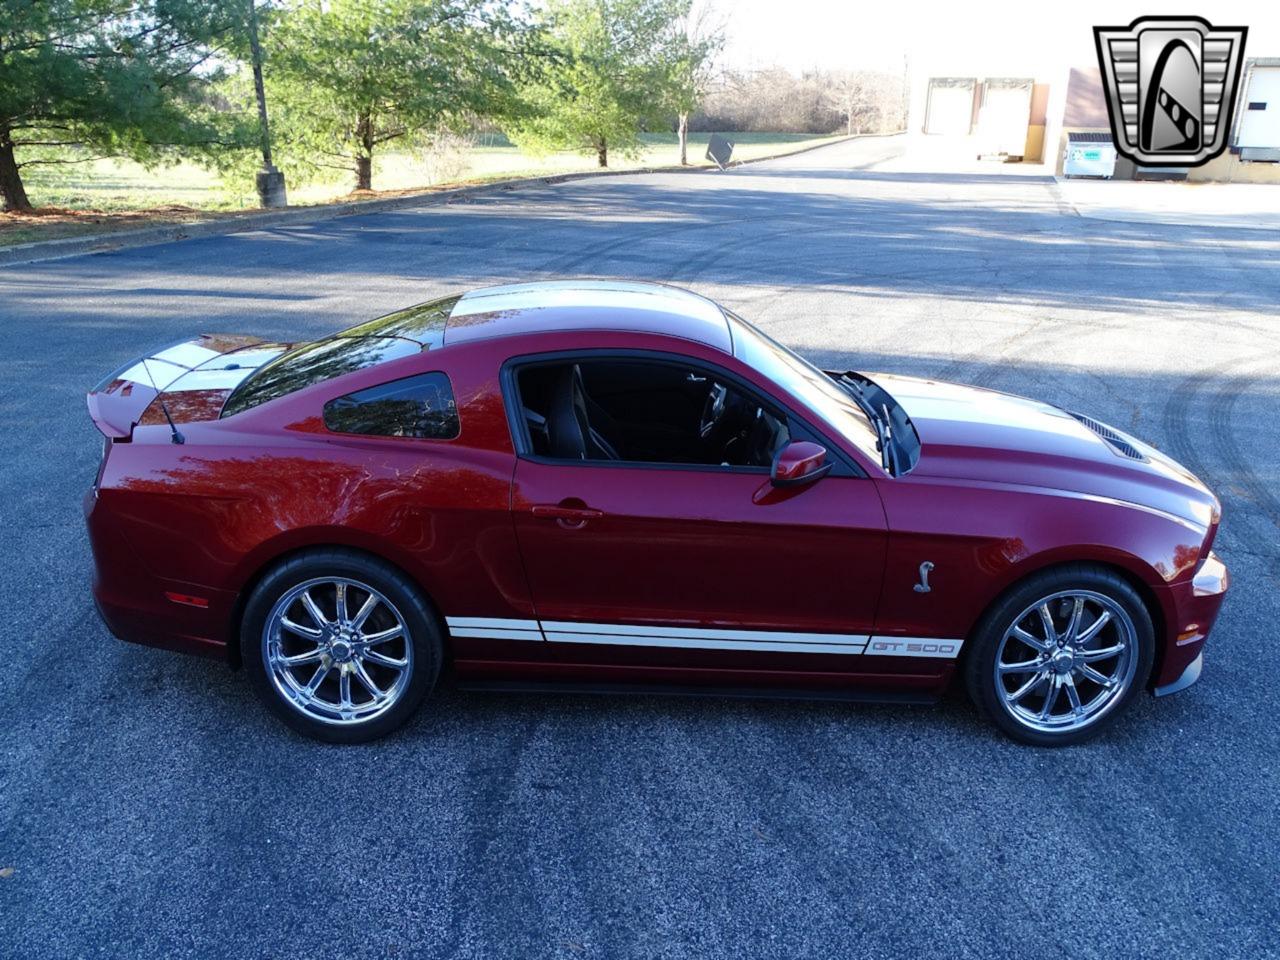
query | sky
[860, 35]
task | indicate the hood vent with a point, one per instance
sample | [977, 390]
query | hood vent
[1116, 442]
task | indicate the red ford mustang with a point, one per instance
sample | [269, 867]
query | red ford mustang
[606, 485]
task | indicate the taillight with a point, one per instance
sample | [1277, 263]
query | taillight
[102, 465]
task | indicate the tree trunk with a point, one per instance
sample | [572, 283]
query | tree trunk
[364, 173]
[682, 128]
[602, 152]
[12, 192]
[849, 127]
[364, 159]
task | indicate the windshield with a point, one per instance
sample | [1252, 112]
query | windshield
[807, 383]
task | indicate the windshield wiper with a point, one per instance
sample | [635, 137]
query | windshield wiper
[882, 424]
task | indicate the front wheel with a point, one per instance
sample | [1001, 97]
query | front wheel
[1061, 656]
[340, 646]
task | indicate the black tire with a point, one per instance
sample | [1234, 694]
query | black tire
[980, 661]
[423, 632]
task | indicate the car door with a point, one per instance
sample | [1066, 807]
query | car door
[628, 556]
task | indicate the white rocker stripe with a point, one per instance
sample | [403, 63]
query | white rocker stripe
[494, 628]
[701, 643]
[625, 629]
[700, 638]
[636, 635]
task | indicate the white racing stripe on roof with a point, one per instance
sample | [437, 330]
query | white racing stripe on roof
[214, 379]
[589, 293]
[189, 355]
[153, 373]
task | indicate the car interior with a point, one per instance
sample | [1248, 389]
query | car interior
[646, 411]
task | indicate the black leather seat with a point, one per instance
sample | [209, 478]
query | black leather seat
[568, 425]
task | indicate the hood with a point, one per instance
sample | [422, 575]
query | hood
[972, 433]
[195, 376]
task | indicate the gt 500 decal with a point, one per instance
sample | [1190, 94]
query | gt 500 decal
[913, 647]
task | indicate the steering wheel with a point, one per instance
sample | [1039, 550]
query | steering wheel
[712, 409]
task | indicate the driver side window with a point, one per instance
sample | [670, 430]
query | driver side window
[645, 411]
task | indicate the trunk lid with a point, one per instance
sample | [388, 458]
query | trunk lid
[195, 376]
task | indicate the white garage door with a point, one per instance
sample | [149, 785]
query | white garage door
[950, 107]
[1004, 115]
[1260, 110]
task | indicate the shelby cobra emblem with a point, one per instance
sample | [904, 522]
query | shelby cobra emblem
[1171, 86]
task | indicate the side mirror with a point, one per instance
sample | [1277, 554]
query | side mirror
[798, 463]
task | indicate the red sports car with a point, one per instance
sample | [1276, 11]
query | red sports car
[607, 485]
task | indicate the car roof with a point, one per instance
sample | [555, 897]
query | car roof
[567, 305]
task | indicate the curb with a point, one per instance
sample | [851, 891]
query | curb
[149, 236]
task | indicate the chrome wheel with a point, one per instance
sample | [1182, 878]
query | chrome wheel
[1066, 660]
[337, 651]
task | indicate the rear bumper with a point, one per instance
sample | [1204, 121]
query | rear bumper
[1191, 609]
[136, 605]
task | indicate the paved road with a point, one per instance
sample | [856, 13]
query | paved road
[149, 808]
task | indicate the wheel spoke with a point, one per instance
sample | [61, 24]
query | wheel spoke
[1073, 694]
[373, 656]
[381, 636]
[1030, 639]
[1073, 625]
[316, 679]
[340, 602]
[1094, 628]
[311, 656]
[1089, 673]
[1105, 653]
[311, 633]
[1046, 618]
[1050, 698]
[1026, 688]
[367, 681]
[344, 690]
[1025, 666]
[365, 609]
[309, 602]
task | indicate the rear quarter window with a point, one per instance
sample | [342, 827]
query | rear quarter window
[421, 407]
[315, 363]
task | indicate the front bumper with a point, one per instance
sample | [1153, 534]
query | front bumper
[1191, 609]
[1189, 676]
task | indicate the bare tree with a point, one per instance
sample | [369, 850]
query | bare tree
[869, 102]
[702, 35]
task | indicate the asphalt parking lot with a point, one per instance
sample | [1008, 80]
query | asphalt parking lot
[150, 808]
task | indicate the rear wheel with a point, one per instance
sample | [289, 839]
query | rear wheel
[1061, 656]
[340, 646]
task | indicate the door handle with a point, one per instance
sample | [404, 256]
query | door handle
[556, 511]
[567, 515]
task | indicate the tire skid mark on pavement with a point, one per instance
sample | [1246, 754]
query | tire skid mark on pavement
[491, 790]
[1217, 392]
[661, 229]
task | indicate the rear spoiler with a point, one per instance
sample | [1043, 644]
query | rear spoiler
[119, 401]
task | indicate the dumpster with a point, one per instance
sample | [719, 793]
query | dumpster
[1089, 155]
